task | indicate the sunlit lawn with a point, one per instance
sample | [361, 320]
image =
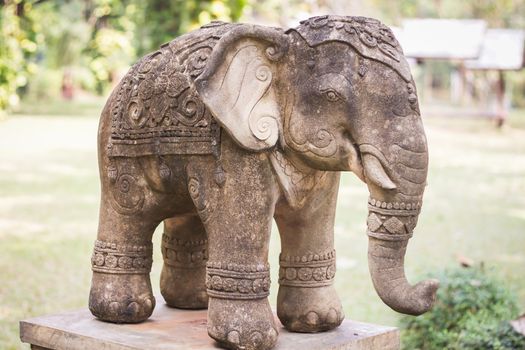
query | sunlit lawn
[474, 207]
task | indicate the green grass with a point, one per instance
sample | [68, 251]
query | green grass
[474, 207]
[86, 106]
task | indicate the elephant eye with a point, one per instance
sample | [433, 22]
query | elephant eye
[331, 95]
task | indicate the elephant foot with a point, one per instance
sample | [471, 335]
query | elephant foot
[183, 276]
[121, 298]
[309, 310]
[242, 324]
[184, 288]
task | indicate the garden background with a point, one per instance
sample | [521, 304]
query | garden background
[58, 62]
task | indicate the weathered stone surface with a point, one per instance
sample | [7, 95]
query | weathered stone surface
[172, 329]
[231, 126]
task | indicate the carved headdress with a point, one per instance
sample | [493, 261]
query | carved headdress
[369, 37]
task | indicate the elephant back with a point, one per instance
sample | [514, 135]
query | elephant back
[156, 110]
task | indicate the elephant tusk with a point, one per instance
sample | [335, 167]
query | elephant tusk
[354, 164]
[374, 171]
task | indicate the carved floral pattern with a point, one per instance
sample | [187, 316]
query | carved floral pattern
[370, 32]
[157, 110]
[235, 281]
[310, 271]
[185, 254]
[121, 259]
[368, 37]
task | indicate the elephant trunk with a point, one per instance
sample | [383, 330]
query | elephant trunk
[394, 205]
[386, 264]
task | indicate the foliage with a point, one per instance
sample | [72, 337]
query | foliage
[484, 333]
[102, 37]
[18, 45]
[472, 312]
[498, 14]
[44, 86]
[66, 36]
[165, 19]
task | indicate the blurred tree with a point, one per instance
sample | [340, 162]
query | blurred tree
[163, 20]
[111, 46]
[90, 39]
[66, 36]
[89, 42]
[18, 46]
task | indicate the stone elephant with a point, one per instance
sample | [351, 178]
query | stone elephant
[230, 126]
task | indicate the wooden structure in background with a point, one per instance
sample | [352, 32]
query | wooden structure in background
[502, 50]
[470, 46]
[445, 39]
[454, 40]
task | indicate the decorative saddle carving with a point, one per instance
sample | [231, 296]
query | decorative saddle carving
[157, 110]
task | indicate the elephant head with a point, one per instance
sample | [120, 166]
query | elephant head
[334, 94]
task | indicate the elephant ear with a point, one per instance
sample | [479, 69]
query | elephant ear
[238, 84]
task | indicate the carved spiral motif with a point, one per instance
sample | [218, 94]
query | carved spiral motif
[197, 61]
[368, 39]
[193, 188]
[123, 183]
[323, 144]
[263, 73]
[191, 109]
[135, 114]
[263, 126]
[203, 207]
[128, 197]
[274, 53]
[324, 138]
[271, 51]
[318, 22]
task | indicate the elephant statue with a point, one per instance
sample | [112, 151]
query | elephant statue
[231, 126]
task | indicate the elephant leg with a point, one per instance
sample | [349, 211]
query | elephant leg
[238, 224]
[185, 252]
[307, 300]
[121, 288]
[238, 282]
